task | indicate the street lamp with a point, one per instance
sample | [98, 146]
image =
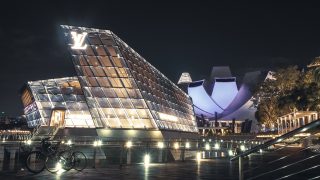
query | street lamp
[187, 145]
[129, 144]
[176, 145]
[160, 145]
[207, 146]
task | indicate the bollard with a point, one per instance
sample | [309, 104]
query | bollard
[94, 157]
[183, 154]
[12, 158]
[1, 157]
[128, 155]
[121, 155]
[240, 168]
[160, 157]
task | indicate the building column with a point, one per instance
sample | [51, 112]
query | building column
[12, 158]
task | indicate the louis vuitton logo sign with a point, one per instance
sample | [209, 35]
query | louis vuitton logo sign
[79, 40]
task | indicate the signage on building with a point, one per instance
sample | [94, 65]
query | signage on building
[79, 40]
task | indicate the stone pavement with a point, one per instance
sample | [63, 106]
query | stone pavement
[206, 169]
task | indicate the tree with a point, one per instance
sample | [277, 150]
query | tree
[267, 112]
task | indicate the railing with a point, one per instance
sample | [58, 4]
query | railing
[308, 162]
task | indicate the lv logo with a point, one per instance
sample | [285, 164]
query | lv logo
[79, 40]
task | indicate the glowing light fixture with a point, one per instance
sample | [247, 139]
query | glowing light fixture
[242, 148]
[146, 160]
[216, 146]
[230, 152]
[176, 145]
[198, 156]
[187, 145]
[160, 145]
[129, 144]
[167, 117]
[207, 146]
[28, 141]
[69, 142]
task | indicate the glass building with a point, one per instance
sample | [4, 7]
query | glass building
[115, 88]
[56, 99]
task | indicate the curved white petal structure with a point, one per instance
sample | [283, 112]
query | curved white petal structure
[203, 103]
[224, 91]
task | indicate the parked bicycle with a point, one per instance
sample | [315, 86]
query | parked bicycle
[53, 158]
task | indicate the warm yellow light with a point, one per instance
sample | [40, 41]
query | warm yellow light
[230, 152]
[302, 135]
[97, 143]
[216, 146]
[146, 160]
[28, 141]
[167, 117]
[242, 148]
[69, 142]
[129, 144]
[176, 145]
[207, 146]
[187, 145]
[198, 156]
[160, 145]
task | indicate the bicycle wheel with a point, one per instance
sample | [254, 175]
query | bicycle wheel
[79, 161]
[35, 161]
[53, 163]
[66, 158]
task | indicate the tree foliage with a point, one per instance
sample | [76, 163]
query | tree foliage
[289, 90]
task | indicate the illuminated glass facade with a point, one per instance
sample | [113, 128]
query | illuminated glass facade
[41, 97]
[121, 90]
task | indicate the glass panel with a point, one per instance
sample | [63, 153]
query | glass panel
[93, 61]
[139, 103]
[103, 103]
[109, 92]
[143, 113]
[89, 51]
[120, 113]
[117, 61]
[126, 82]
[107, 41]
[114, 102]
[110, 71]
[100, 50]
[122, 72]
[93, 82]
[121, 92]
[134, 93]
[97, 92]
[109, 113]
[87, 71]
[115, 82]
[94, 39]
[105, 61]
[98, 71]
[126, 103]
[112, 51]
[103, 81]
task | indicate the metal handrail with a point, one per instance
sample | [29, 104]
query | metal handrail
[278, 139]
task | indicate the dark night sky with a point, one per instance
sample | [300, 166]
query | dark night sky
[174, 37]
